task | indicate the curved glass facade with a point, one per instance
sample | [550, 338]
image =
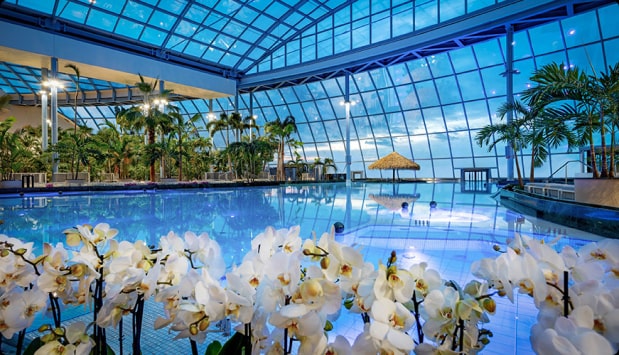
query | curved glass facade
[430, 109]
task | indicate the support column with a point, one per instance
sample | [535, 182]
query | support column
[44, 111]
[161, 103]
[347, 107]
[54, 111]
[509, 82]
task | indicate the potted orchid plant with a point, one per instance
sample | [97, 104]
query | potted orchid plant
[287, 294]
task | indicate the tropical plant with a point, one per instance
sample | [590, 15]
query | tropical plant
[250, 158]
[33, 159]
[541, 129]
[508, 133]
[281, 131]
[11, 149]
[80, 147]
[590, 100]
[199, 157]
[148, 117]
[299, 164]
[76, 71]
[120, 149]
[323, 166]
[183, 129]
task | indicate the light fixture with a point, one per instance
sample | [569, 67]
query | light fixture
[52, 83]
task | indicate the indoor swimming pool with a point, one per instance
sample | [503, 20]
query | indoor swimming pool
[433, 222]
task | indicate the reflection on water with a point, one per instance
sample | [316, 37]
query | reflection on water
[440, 225]
[238, 214]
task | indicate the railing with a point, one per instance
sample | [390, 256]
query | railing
[565, 166]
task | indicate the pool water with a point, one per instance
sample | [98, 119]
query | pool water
[439, 224]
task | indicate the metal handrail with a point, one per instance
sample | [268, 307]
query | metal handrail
[564, 165]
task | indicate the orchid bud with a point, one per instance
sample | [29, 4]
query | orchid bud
[44, 327]
[58, 331]
[307, 252]
[204, 324]
[489, 305]
[73, 239]
[4, 253]
[496, 247]
[393, 258]
[48, 337]
[21, 251]
[193, 329]
[78, 270]
[324, 263]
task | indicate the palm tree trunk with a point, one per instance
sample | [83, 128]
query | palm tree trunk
[532, 171]
[593, 162]
[611, 170]
[604, 158]
[520, 182]
[281, 176]
[180, 157]
[151, 141]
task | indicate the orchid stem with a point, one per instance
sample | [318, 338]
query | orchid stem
[417, 320]
[566, 296]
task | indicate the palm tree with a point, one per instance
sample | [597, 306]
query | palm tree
[222, 124]
[509, 133]
[120, 149]
[182, 128]
[148, 117]
[281, 132]
[591, 97]
[76, 71]
[82, 147]
[541, 130]
[299, 165]
[326, 164]
[609, 82]
[10, 149]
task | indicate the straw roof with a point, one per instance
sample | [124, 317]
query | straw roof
[394, 202]
[394, 161]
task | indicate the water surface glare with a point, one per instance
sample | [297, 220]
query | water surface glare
[461, 228]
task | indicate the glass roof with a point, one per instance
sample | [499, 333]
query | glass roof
[254, 35]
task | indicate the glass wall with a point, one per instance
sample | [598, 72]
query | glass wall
[430, 109]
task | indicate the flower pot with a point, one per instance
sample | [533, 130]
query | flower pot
[602, 192]
[10, 184]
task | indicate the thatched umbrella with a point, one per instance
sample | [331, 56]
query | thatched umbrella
[394, 202]
[394, 161]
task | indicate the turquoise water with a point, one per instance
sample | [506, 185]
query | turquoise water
[461, 228]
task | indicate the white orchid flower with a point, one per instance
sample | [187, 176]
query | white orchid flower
[18, 309]
[340, 346]
[314, 294]
[310, 323]
[206, 252]
[425, 279]
[394, 284]
[566, 337]
[391, 322]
